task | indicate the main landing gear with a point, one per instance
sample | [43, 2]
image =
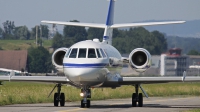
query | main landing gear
[137, 98]
[85, 93]
[58, 97]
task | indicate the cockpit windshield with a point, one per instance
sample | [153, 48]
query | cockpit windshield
[91, 53]
[82, 53]
[86, 53]
[103, 54]
[73, 53]
[98, 53]
[68, 53]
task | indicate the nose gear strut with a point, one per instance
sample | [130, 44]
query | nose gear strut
[86, 92]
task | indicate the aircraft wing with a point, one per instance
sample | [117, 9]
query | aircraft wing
[145, 24]
[76, 24]
[48, 79]
[151, 80]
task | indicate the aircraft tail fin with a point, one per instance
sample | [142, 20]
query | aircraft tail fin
[107, 37]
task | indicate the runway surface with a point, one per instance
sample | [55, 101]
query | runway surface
[153, 104]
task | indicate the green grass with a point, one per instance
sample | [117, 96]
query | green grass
[170, 89]
[192, 110]
[21, 44]
[24, 92]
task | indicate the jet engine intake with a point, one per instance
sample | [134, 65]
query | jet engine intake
[57, 58]
[140, 59]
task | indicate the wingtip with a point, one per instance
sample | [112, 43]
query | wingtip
[43, 21]
[183, 21]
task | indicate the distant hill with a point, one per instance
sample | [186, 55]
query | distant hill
[185, 36]
[188, 29]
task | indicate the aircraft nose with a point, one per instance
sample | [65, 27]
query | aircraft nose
[89, 70]
[77, 72]
[74, 70]
[86, 76]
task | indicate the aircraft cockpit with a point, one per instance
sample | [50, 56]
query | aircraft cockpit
[86, 53]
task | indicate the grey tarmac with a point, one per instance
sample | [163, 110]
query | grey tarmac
[152, 104]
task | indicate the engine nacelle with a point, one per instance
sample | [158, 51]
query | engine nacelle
[57, 58]
[140, 59]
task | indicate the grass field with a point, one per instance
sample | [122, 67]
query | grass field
[21, 44]
[195, 110]
[24, 92]
[192, 110]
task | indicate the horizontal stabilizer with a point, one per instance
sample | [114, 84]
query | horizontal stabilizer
[145, 24]
[114, 25]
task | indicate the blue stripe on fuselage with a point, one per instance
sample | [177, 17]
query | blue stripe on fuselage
[94, 65]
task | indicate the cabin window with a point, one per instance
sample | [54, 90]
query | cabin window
[103, 54]
[98, 53]
[67, 54]
[73, 53]
[82, 53]
[91, 53]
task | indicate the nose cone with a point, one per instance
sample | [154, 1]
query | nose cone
[78, 72]
[86, 76]
[85, 71]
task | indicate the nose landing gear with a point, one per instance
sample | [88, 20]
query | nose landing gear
[85, 93]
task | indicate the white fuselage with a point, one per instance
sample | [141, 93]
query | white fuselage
[91, 71]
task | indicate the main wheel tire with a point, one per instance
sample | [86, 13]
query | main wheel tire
[88, 103]
[140, 103]
[82, 104]
[56, 100]
[134, 102]
[62, 99]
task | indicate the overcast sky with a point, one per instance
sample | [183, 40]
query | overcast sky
[31, 12]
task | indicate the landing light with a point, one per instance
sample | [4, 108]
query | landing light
[81, 94]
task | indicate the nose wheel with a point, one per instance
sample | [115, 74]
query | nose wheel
[85, 93]
[83, 104]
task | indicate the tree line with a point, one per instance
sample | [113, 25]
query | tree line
[10, 31]
[39, 60]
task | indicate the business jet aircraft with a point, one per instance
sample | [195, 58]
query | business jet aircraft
[94, 64]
